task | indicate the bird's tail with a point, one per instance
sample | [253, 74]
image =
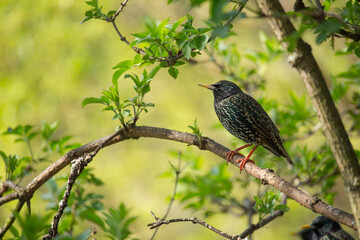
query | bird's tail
[288, 158]
[281, 152]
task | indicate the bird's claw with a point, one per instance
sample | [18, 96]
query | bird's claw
[243, 161]
[229, 155]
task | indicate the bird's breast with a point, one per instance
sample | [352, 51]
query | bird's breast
[234, 118]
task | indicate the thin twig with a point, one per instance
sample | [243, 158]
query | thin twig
[177, 171]
[194, 220]
[122, 38]
[119, 10]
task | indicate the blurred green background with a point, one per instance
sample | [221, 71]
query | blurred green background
[50, 63]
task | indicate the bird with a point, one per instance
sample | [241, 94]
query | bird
[244, 117]
[324, 228]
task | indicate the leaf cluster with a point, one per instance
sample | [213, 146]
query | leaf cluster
[96, 12]
[268, 204]
[128, 110]
[17, 167]
[196, 130]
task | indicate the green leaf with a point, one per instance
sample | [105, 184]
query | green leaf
[179, 63]
[92, 216]
[196, 130]
[105, 99]
[108, 108]
[146, 39]
[357, 52]
[90, 100]
[282, 207]
[4, 157]
[92, 3]
[201, 41]
[127, 63]
[161, 26]
[326, 28]
[126, 113]
[18, 130]
[177, 24]
[338, 90]
[173, 72]
[154, 71]
[117, 116]
[186, 50]
[84, 235]
[110, 13]
[15, 232]
[204, 30]
[137, 59]
[117, 74]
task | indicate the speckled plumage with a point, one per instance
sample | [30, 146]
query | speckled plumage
[323, 228]
[244, 118]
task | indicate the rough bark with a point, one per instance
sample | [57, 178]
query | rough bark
[303, 60]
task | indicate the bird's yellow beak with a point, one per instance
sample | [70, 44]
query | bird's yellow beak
[211, 87]
[306, 226]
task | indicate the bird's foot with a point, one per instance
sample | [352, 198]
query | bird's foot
[229, 155]
[243, 161]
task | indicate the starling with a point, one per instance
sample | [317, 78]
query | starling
[323, 228]
[244, 118]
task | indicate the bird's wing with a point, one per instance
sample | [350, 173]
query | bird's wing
[265, 127]
[260, 120]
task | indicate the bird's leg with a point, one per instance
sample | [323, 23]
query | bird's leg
[247, 159]
[230, 155]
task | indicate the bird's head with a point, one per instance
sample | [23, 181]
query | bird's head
[323, 225]
[223, 89]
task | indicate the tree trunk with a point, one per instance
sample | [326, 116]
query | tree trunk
[303, 60]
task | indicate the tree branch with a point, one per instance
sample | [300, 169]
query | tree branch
[9, 185]
[77, 167]
[303, 60]
[266, 176]
[252, 228]
[25, 194]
